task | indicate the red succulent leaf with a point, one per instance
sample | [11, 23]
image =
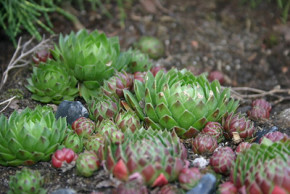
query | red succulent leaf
[64, 155]
[160, 181]
[227, 188]
[120, 171]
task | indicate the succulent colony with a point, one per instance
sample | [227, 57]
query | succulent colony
[138, 115]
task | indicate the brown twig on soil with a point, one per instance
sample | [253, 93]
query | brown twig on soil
[243, 93]
[7, 102]
[18, 58]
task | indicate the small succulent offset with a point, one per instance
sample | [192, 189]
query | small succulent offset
[189, 178]
[52, 82]
[275, 136]
[240, 124]
[74, 142]
[260, 109]
[214, 129]
[92, 58]
[263, 167]
[222, 160]
[204, 144]
[30, 136]
[26, 181]
[87, 163]
[64, 159]
[151, 46]
[139, 62]
[84, 127]
[128, 119]
[180, 101]
[158, 156]
[227, 188]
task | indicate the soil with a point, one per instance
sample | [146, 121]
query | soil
[251, 47]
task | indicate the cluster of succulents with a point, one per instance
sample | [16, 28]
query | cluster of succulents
[260, 109]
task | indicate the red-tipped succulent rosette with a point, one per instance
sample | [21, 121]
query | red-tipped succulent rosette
[64, 159]
[275, 136]
[84, 127]
[189, 178]
[222, 160]
[214, 129]
[204, 144]
[227, 188]
[243, 146]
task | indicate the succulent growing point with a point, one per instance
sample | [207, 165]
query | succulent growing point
[64, 158]
[204, 144]
[275, 136]
[189, 178]
[243, 146]
[51, 82]
[227, 188]
[139, 62]
[84, 127]
[222, 160]
[117, 84]
[240, 124]
[177, 100]
[87, 163]
[151, 46]
[263, 167]
[74, 142]
[42, 56]
[214, 129]
[128, 119]
[30, 136]
[92, 58]
[26, 181]
[158, 156]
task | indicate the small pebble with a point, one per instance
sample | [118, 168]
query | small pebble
[263, 132]
[206, 185]
[72, 110]
[64, 191]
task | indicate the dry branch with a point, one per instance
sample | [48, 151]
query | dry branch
[19, 57]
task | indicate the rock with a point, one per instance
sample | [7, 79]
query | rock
[72, 110]
[283, 118]
[206, 185]
[64, 191]
[264, 131]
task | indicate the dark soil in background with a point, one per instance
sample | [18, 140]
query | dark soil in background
[250, 46]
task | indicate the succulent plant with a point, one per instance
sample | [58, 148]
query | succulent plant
[178, 100]
[216, 75]
[154, 70]
[170, 189]
[74, 142]
[30, 136]
[204, 144]
[158, 156]
[240, 124]
[139, 62]
[243, 146]
[94, 142]
[214, 129]
[117, 137]
[227, 188]
[26, 181]
[84, 127]
[87, 163]
[92, 58]
[103, 108]
[140, 76]
[222, 160]
[260, 109]
[151, 46]
[41, 56]
[107, 127]
[189, 178]
[263, 167]
[64, 158]
[117, 84]
[51, 82]
[275, 136]
[128, 119]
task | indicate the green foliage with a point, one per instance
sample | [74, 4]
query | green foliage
[284, 5]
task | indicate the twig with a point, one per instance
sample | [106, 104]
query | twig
[244, 93]
[8, 101]
[18, 58]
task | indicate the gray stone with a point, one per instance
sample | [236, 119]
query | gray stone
[64, 191]
[72, 110]
[206, 185]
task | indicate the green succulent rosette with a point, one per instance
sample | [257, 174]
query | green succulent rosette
[51, 82]
[139, 61]
[26, 181]
[91, 57]
[263, 167]
[30, 136]
[179, 100]
[151, 46]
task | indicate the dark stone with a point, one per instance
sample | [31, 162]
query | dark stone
[72, 110]
[264, 131]
[206, 185]
[64, 191]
